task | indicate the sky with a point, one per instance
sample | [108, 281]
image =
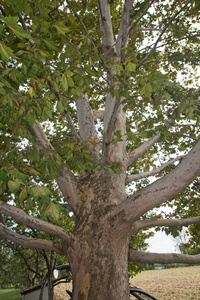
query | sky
[161, 243]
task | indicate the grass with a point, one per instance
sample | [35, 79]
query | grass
[167, 284]
[10, 294]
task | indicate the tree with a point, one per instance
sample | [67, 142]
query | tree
[8, 265]
[31, 264]
[91, 109]
[34, 266]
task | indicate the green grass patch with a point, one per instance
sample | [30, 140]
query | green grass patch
[10, 294]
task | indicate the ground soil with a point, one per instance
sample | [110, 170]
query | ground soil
[166, 284]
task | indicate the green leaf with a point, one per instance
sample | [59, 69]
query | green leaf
[3, 175]
[40, 191]
[131, 67]
[117, 68]
[23, 194]
[146, 90]
[5, 51]
[14, 185]
[11, 22]
[50, 44]
[32, 92]
[31, 118]
[46, 113]
[61, 28]
[20, 5]
[19, 175]
[60, 107]
[53, 210]
[34, 172]
[64, 82]
[68, 73]
[70, 81]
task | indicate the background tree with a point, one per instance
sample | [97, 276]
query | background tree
[34, 266]
[91, 108]
[8, 265]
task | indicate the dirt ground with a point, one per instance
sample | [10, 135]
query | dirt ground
[168, 284]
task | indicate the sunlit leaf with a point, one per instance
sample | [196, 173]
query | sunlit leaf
[61, 28]
[14, 185]
[5, 51]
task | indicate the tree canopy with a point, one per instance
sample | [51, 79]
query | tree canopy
[99, 124]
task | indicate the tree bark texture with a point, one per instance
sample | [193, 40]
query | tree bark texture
[99, 256]
[105, 216]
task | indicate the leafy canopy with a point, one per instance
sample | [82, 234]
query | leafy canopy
[51, 52]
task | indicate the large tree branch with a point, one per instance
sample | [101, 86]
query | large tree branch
[135, 177]
[123, 35]
[106, 27]
[169, 186]
[67, 182]
[161, 34]
[110, 114]
[20, 216]
[160, 191]
[138, 225]
[150, 258]
[40, 137]
[141, 150]
[31, 242]
[87, 128]
[68, 185]
[114, 121]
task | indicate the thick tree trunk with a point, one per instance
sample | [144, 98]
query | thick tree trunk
[100, 268]
[99, 257]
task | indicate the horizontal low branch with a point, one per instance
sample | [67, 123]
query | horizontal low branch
[20, 216]
[162, 258]
[135, 177]
[30, 242]
[163, 222]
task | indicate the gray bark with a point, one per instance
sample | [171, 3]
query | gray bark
[97, 249]
[162, 258]
[166, 188]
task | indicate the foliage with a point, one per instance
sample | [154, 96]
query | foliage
[33, 265]
[8, 275]
[52, 56]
